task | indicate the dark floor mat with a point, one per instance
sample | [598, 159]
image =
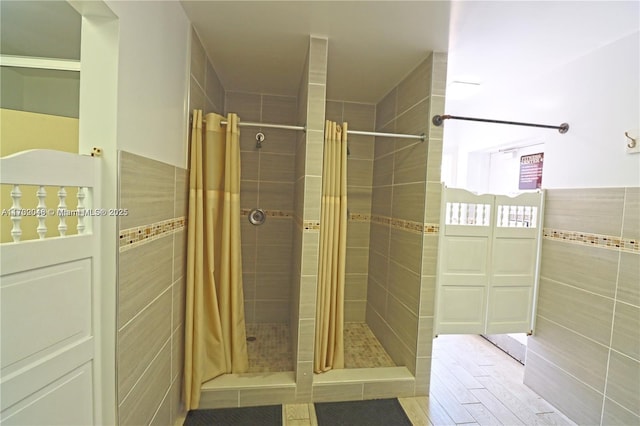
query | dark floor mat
[270, 415]
[376, 412]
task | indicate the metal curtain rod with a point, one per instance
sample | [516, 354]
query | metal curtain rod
[349, 132]
[439, 119]
[422, 137]
[272, 126]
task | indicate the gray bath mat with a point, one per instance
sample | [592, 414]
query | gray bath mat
[269, 415]
[376, 412]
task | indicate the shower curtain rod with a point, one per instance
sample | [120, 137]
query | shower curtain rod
[439, 119]
[349, 132]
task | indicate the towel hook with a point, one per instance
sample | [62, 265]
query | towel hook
[633, 142]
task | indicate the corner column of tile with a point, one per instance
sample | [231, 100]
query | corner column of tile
[431, 221]
[316, 99]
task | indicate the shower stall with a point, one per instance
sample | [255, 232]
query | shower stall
[393, 186]
[267, 184]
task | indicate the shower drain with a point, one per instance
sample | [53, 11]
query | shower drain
[251, 338]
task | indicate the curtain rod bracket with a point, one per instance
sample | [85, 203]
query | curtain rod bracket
[438, 120]
[564, 128]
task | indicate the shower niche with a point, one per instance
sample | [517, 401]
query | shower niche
[393, 192]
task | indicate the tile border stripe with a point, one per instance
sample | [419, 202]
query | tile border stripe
[139, 235]
[276, 214]
[405, 225]
[630, 245]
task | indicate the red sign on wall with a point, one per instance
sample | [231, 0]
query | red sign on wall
[531, 171]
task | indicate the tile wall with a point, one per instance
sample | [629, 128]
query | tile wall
[404, 219]
[359, 116]
[267, 182]
[308, 187]
[151, 261]
[298, 212]
[151, 290]
[205, 90]
[585, 354]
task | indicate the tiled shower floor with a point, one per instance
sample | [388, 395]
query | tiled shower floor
[271, 350]
[362, 349]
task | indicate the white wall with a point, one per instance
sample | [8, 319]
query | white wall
[11, 89]
[133, 96]
[56, 94]
[43, 91]
[153, 76]
[598, 94]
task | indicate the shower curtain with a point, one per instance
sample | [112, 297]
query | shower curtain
[329, 338]
[215, 337]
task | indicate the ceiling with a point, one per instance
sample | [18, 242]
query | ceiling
[261, 46]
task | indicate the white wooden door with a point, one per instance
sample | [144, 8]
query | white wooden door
[487, 263]
[47, 296]
[514, 260]
[463, 259]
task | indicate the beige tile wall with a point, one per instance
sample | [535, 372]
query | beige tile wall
[584, 356]
[406, 182]
[298, 213]
[151, 293]
[268, 179]
[308, 184]
[151, 281]
[205, 89]
[359, 116]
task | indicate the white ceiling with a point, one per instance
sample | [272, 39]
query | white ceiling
[261, 46]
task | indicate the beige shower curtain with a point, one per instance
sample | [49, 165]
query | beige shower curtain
[215, 337]
[329, 344]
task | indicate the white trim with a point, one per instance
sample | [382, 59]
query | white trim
[40, 63]
[98, 128]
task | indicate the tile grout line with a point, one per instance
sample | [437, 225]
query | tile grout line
[578, 288]
[144, 372]
[613, 316]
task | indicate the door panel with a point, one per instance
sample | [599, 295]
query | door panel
[487, 262]
[63, 402]
[461, 309]
[32, 299]
[465, 261]
[513, 261]
[49, 327]
[509, 310]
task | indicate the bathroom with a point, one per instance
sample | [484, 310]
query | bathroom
[138, 138]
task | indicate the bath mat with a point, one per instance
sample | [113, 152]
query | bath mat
[269, 415]
[375, 412]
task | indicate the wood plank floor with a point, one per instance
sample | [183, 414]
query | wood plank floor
[472, 383]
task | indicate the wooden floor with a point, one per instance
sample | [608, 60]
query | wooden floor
[472, 383]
